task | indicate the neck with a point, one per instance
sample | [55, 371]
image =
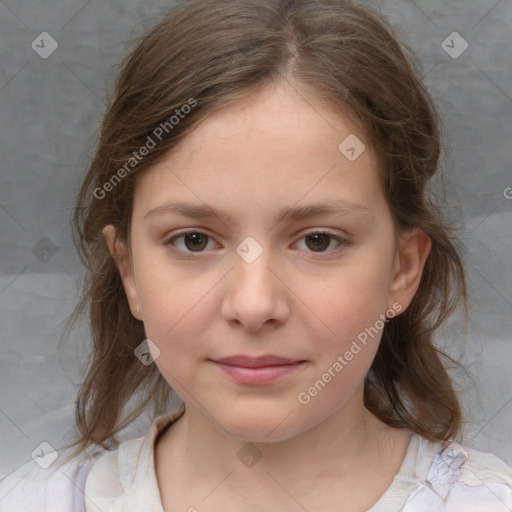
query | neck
[194, 453]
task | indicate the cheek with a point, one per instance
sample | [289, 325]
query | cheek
[169, 293]
[176, 314]
[173, 325]
[178, 308]
[346, 345]
[352, 301]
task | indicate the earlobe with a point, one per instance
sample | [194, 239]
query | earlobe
[120, 254]
[414, 249]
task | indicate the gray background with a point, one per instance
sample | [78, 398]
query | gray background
[50, 111]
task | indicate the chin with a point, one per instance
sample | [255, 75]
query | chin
[256, 434]
[270, 427]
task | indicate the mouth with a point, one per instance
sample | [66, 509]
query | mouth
[257, 370]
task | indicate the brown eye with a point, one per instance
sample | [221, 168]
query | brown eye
[193, 241]
[319, 241]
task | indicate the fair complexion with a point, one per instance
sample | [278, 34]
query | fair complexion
[306, 297]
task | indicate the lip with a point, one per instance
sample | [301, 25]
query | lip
[256, 362]
[257, 370]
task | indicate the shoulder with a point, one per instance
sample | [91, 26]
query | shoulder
[125, 479]
[56, 488]
[462, 478]
[99, 479]
[114, 472]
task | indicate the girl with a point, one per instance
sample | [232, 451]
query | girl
[260, 238]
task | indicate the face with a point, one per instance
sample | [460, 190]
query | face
[267, 322]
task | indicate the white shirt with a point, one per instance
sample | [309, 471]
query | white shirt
[433, 478]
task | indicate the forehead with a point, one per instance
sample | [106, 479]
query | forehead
[283, 111]
[271, 149]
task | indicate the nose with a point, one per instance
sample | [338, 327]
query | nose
[255, 295]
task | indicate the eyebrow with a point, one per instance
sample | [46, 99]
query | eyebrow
[197, 211]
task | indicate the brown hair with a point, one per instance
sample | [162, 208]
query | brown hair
[212, 54]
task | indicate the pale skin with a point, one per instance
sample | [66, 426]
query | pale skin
[278, 149]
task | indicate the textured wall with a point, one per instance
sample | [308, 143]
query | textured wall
[50, 109]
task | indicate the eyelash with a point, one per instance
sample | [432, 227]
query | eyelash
[342, 243]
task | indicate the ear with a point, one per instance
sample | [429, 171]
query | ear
[412, 254]
[121, 256]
